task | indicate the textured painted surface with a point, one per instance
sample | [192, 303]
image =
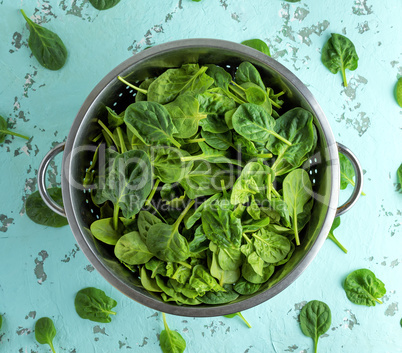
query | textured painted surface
[42, 268]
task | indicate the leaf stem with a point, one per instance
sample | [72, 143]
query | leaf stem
[110, 312]
[175, 142]
[185, 264]
[378, 300]
[121, 138]
[276, 193]
[336, 241]
[269, 186]
[242, 317]
[276, 105]
[295, 226]
[315, 345]
[345, 83]
[247, 238]
[144, 91]
[264, 155]
[195, 140]
[116, 216]
[151, 195]
[225, 193]
[279, 137]
[178, 221]
[164, 322]
[106, 129]
[156, 210]
[51, 346]
[8, 132]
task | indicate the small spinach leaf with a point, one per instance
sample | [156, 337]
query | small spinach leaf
[315, 320]
[339, 54]
[38, 212]
[337, 222]
[399, 176]
[103, 230]
[362, 287]
[132, 250]
[247, 72]
[4, 131]
[171, 341]
[45, 332]
[271, 247]
[46, 46]
[103, 4]
[230, 316]
[258, 44]
[145, 221]
[398, 91]
[93, 304]
[245, 287]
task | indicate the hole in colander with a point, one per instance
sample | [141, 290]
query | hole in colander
[315, 171]
[114, 104]
[86, 201]
[92, 211]
[120, 94]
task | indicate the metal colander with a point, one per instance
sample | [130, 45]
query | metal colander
[78, 152]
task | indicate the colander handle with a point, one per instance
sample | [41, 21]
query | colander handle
[42, 180]
[358, 177]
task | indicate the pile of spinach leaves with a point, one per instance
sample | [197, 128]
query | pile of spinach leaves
[198, 182]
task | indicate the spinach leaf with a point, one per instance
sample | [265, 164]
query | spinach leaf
[347, 172]
[45, 332]
[202, 281]
[46, 46]
[132, 250]
[199, 242]
[145, 221]
[1, 321]
[166, 242]
[257, 44]
[215, 124]
[38, 212]
[188, 78]
[221, 77]
[336, 224]
[142, 91]
[247, 72]
[398, 91]
[103, 4]
[198, 212]
[215, 298]
[147, 282]
[223, 276]
[127, 183]
[297, 191]
[186, 115]
[215, 101]
[4, 131]
[254, 123]
[220, 142]
[230, 316]
[245, 287]
[103, 230]
[296, 125]
[399, 176]
[230, 259]
[204, 179]
[171, 341]
[362, 287]
[271, 247]
[339, 54]
[315, 320]
[151, 123]
[222, 227]
[93, 304]
[249, 273]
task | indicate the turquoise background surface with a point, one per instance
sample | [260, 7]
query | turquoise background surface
[42, 268]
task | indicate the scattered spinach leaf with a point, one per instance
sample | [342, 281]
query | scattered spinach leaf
[171, 341]
[103, 4]
[239, 314]
[45, 332]
[398, 91]
[336, 224]
[93, 304]
[399, 176]
[258, 44]
[4, 131]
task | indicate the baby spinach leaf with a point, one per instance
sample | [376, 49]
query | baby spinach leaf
[297, 191]
[4, 131]
[257, 44]
[221, 77]
[171, 341]
[245, 287]
[93, 304]
[143, 87]
[215, 124]
[270, 246]
[147, 282]
[151, 123]
[103, 4]
[220, 142]
[337, 222]
[46, 46]
[254, 123]
[239, 314]
[188, 78]
[398, 91]
[38, 212]
[186, 115]
[296, 125]
[1, 321]
[132, 250]
[230, 259]
[247, 72]
[222, 227]
[214, 101]
[145, 221]
[103, 230]
[249, 273]
[199, 242]
[215, 298]
[113, 119]
[399, 176]
[202, 281]
[127, 183]
[45, 332]
[198, 212]
[166, 242]
[223, 276]
[315, 320]
[362, 287]
[204, 179]
[339, 54]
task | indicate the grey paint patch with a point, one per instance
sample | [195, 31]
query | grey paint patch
[361, 8]
[301, 13]
[29, 82]
[317, 29]
[5, 221]
[101, 330]
[391, 310]
[351, 321]
[144, 342]
[89, 268]
[394, 263]
[32, 315]
[235, 17]
[39, 268]
[71, 254]
[363, 27]
[291, 348]
[76, 8]
[17, 42]
[30, 187]
[224, 4]
[23, 331]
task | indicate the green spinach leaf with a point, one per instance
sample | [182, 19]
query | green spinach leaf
[336, 224]
[258, 44]
[4, 131]
[103, 230]
[239, 314]
[362, 287]
[171, 341]
[103, 4]
[399, 176]
[398, 91]
[271, 247]
[45, 332]
[46, 46]
[315, 320]
[339, 54]
[38, 212]
[93, 304]
[132, 249]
